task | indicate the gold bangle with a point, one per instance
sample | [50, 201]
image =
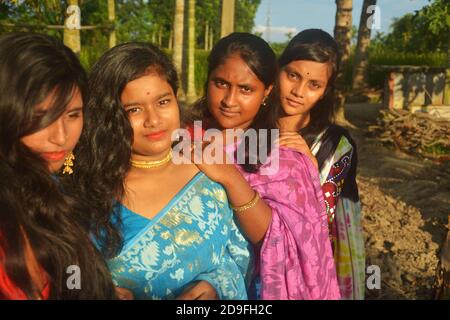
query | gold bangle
[248, 205]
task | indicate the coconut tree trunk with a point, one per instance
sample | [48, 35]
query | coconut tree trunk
[191, 95]
[72, 28]
[160, 36]
[112, 18]
[361, 62]
[211, 38]
[342, 34]
[206, 35]
[178, 31]
[447, 78]
[170, 42]
[227, 22]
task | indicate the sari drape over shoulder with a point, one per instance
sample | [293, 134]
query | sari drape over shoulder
[193, 238]
[296, 260]
[338, 180]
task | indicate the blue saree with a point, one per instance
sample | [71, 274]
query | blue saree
[193, 238]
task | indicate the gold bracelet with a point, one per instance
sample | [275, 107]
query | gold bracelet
[248, 205]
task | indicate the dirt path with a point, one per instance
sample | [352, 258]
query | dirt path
[406, 201]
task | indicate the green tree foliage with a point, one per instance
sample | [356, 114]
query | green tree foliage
[438, 16]
[423, 31]
[245, 15]
[136, 20]
[25, 14]
[207, 13]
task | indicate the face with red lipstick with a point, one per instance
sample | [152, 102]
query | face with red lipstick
[302, 83]
[54, 142]
[235, 93]
[153, 112]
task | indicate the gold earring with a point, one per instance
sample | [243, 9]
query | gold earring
[68, 163]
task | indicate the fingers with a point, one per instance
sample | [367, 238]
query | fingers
[124, 294]
[189, 293]
[201, 290]
[206, 290]
[187, 296]
[292, 142]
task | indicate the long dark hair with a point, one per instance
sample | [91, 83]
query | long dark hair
[261, 59]
[104, 150]
[318, 46]
[34, 207]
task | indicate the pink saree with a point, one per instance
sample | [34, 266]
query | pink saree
[296, 260]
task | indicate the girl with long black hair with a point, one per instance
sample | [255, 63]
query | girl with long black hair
[306, 89]
[180, 240]
[280, 208]
[44, 230]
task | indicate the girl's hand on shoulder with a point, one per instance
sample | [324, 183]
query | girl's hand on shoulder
[295, 141]
[222, 172]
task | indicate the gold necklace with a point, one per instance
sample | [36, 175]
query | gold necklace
[152, 164]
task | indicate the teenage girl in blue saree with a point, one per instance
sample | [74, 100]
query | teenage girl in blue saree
[177, 224]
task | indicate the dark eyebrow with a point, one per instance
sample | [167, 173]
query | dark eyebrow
[129, 104]
[75, 109]
[288, 69]
[245, 85]
[300, 75]
[317, 81]
[241, 85]
[220, 79]
[164, 95]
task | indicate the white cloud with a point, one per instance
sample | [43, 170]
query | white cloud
[279, 30]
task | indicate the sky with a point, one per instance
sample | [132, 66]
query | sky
[296, 15]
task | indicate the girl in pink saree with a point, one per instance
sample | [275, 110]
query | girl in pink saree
[278, 201]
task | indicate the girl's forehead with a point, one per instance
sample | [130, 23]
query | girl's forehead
[235, 69]
[319, 70]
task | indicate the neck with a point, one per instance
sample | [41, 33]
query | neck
[294, 122]
[143, 163]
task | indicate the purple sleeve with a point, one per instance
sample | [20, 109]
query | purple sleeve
[296, 256]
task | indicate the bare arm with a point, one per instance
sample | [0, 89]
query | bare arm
[254, 221]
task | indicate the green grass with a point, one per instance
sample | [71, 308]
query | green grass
[438, 150]
[378, 57]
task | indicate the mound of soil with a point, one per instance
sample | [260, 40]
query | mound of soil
[405, 205]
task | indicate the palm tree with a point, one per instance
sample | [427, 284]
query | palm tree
[178, 31]
[227, 22]
[191, 94]
[206, 36]
[447, 76]
[361, 54]
[111, 18]
[72, 28]
[342, 34]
